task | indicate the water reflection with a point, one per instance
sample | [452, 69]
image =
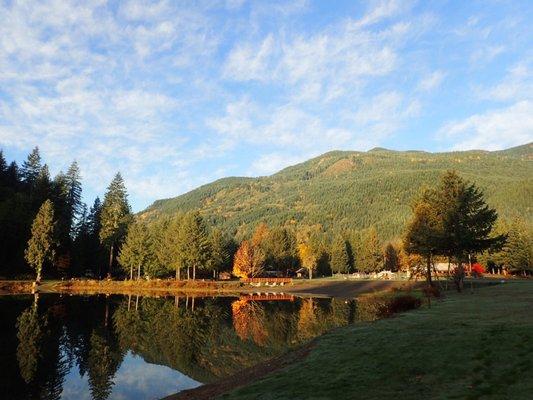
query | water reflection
[106, 347]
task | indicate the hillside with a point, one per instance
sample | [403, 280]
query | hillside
[348, 189]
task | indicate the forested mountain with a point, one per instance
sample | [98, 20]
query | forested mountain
[349, 189]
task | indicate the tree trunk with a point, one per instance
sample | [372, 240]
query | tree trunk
[194, 272]
[310, 273]
[38, 278]
[131, 272]
[214, 274]
[111, 258]
[178, 269]
[459, 275]
[428, 272]
[139, 271]
[188, 272]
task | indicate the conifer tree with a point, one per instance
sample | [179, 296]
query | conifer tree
[73, 195]
[194, 247]
[114, 217]
[280, 248]
[166, 242]
[220, 251]
[391, 258]
[137, 250]
[31, 168]
[41, 246]
[340, 258]
[3, 169]
[517, 253]
[372, 257]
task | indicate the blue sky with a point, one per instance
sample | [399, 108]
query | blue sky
[175, 94]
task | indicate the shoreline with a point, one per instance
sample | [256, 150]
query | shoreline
[321, 287]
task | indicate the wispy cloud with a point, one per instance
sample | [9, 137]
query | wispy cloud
[175, 94]
[494, 129]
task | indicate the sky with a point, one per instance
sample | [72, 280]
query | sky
[175, 94]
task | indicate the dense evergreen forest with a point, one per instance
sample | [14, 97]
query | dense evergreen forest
[356, 190]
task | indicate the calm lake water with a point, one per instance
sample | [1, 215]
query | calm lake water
[129, 347]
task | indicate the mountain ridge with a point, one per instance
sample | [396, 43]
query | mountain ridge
[352, 189]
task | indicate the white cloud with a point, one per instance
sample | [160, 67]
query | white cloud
[492, 130]
[431, 81]
[248, 63]
[382, 9]
[516, 85]
[270, 163]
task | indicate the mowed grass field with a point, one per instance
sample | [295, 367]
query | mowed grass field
[467, 346]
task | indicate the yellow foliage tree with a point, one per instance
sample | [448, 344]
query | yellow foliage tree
[248, 261]
[307, 258]
[260, 234]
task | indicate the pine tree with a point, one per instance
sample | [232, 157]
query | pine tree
[517, 253]
[220, 251]
[194, 246]
[166, 242]
[3, 169]
[137, 250]
[391, 258]
[340, 258]
[372, 257]
[41, 246]
[73, 196]
[280, 249]
[452, 220]
[31, 168]
[114, 217]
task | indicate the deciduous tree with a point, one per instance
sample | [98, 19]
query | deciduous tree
[248, 261]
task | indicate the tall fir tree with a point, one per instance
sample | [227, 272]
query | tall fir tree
[340, 257]
[372, 257]
[137, 251]
[74, 191]
[517, 253]
[194, 244]
[41, 246]
[221, 251]
[31, 168]
[115, 217]
[390, 258]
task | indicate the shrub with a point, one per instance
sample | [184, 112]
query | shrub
[379, 305]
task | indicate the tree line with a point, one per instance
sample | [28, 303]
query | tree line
[46, 225]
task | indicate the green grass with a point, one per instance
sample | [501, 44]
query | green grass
[468, 346]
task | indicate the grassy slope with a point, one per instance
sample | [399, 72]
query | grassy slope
[355, 189]
[466, 347]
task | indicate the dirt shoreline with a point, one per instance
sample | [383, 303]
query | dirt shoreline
[242, 378]
[319, 287]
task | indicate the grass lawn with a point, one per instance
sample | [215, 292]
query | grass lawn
[468, 346]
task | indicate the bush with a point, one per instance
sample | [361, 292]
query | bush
[375, 306]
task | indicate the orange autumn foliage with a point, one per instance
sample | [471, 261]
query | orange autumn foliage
[248, 260]
[248, 321]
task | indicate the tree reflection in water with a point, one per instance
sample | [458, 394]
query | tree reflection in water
[58, 339]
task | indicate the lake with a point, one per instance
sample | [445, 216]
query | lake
[130, 347]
